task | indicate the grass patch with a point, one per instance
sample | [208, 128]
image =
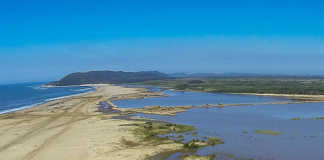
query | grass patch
[319, 118]
[195, 156]
[268, 132]
[214, 141]
[195, 144]
[192, 146]
[151, 131]
[296, 118]
[316, 118]
[310, 86]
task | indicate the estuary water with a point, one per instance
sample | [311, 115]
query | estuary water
[237, 126]
[15, 97]
[179, 98]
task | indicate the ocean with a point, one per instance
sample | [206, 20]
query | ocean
[15, 97]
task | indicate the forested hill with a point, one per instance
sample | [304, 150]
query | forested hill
[115, 77]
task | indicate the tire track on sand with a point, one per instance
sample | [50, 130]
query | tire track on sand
[38, 128]
[13, 125]
[80, 111]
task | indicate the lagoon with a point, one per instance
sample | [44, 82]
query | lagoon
[237, 126]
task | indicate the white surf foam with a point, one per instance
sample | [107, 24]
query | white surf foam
[45, 101]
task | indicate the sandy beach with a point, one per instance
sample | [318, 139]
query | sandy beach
[73, 129]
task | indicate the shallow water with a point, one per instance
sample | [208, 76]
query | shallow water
[304, 136]
[178, 98]
[299, 139]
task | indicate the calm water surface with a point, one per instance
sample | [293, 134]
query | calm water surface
[178, 98]
[299, 139]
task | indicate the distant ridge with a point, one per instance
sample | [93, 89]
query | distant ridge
[114, 77]
[118, 77]
[239, 75]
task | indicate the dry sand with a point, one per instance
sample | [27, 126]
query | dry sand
[73, 129]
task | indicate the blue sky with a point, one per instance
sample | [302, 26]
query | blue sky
[44, 40]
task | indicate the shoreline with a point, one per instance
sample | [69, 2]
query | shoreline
[93, 89]
[307, 98]
[73, 128]
[298, 97]
[295, 97]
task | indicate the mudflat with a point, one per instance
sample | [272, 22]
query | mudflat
[73, 129]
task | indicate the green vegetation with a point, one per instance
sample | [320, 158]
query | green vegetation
[245, 132]
[296, 118]
[267, 132]
[195, 156]
[195, 144]
[115, 77]
[214, 141]
[150, 131]
[246, 85]
[319, 118]
[192, 146]
[316, 118]
[213, 156]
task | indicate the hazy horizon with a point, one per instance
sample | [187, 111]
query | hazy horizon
[43, 41]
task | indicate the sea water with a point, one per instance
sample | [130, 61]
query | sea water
[15, 97]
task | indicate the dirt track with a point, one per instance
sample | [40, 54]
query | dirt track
[70, 129]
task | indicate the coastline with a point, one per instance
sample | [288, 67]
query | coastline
[73, 128]
[93, 89]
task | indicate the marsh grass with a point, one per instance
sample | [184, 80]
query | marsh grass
[319, 118]
[268, 132]
[195, 144]
[296, 118]
[195, 156]
[191, 146]
[316, 118]
[284, 85]
[152, 131]
[214, 141]
[245, 132]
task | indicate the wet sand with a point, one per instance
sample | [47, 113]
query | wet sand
[73, 129]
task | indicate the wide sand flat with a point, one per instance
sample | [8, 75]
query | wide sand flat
[71, 129]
